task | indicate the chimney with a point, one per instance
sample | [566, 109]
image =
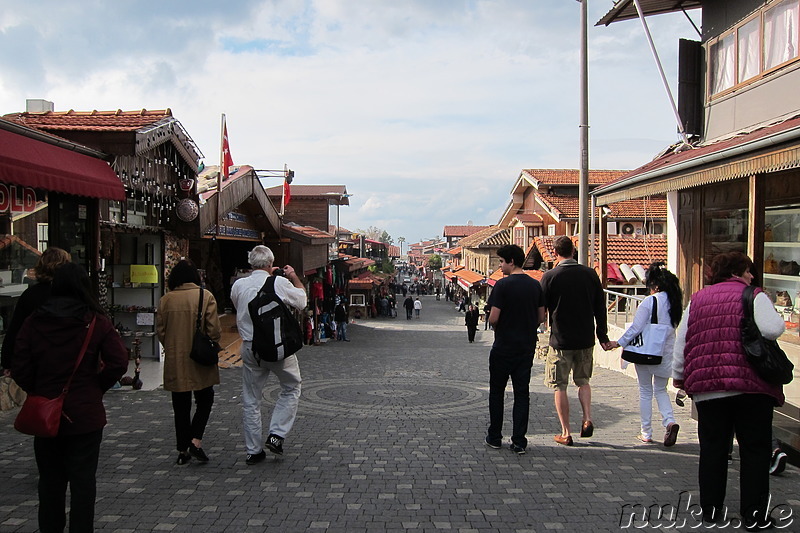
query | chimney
[38, 105]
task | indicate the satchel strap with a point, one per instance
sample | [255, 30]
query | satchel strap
[748, 295]
[199, 311]
[80, 355]
[654, 313]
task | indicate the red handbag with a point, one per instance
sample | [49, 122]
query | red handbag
[40, 416]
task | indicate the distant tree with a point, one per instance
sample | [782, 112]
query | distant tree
[435, 261]
[386, 238]
[371, 233]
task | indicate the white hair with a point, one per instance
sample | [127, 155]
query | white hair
[260, 257]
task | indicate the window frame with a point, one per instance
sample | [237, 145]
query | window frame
[734, 31]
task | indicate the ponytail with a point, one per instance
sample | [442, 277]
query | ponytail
[660, 278]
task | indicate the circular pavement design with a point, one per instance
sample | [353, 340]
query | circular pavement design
[392, 398]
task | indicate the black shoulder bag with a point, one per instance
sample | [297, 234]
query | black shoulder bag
[204, 350]
[764, 355]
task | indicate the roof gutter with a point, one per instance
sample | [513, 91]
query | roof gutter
[751, 146]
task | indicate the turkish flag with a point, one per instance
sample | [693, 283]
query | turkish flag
[286, 193]
[227, 159]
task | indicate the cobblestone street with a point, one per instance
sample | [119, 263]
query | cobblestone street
[389, 437]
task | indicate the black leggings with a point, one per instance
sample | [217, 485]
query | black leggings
[188, 427]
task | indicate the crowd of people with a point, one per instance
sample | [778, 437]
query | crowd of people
[702, 353]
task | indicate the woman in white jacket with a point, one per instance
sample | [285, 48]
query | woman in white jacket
[664, 289]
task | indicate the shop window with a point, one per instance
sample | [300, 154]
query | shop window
[724, 231]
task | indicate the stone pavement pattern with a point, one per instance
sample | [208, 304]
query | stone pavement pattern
[389, 437]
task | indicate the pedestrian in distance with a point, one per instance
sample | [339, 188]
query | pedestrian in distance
[340, 316]
[255, 372]
[665, 292]
[710, 364]
[408, 303]
[176, 321]
[517, 308]
[471, 321]
[417, 307]
[31, 298]
[576, 306]
[47, 349]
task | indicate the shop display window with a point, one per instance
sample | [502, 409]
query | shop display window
[782, 265]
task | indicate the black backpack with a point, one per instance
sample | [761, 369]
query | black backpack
[276, 332]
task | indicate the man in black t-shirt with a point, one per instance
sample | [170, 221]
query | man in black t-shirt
[517, 309]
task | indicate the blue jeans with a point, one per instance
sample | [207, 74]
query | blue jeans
[254, 377]
[341, 331]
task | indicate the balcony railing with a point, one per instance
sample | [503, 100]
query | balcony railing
[621, 306]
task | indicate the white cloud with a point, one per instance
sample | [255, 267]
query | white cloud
[425, 110]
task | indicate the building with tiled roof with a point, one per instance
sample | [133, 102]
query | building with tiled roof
[453, 234]
[546, 202]
[479, 250]
[620, 249]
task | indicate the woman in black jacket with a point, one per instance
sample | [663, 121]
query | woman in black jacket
[46, 351]
[31, 299]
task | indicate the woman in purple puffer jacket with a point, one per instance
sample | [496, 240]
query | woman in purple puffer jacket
[709, 363]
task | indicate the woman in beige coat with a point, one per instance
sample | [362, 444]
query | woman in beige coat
[175, 322]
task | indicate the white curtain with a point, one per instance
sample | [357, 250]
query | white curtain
[780, 33]
[749, 50]
[722, 53]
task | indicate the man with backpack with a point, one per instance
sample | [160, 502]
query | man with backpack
[266, 282]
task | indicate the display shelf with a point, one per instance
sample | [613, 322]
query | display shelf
[782, 277]
[134, 304]
[782, 245]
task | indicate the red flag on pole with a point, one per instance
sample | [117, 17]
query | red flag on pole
[286, 193]
[227, 159]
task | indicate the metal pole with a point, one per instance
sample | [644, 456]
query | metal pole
[583, 188]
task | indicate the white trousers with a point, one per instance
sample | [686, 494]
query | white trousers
[651, 385]
[254, 377]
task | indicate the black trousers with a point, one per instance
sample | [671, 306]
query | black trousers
[64, 460]
[471, 332]
[188, 427]
[749, 416]
[501, 368]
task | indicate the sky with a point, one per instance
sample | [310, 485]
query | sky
[426, 110]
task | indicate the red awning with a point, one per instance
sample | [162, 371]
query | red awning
[26, 161]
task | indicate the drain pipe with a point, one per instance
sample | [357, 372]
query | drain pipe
[661, 72]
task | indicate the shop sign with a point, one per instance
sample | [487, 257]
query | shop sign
[17, 199]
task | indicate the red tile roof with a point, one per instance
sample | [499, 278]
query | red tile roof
[455, 250]
[571, 176]
[91, 120]
[628, 249]
[469, 276]
[461, 231]
[308, 231]
[568, 207]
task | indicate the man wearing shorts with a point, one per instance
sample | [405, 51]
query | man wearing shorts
[517, 309]
[576, 305]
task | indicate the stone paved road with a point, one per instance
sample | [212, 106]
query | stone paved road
[389, 437]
